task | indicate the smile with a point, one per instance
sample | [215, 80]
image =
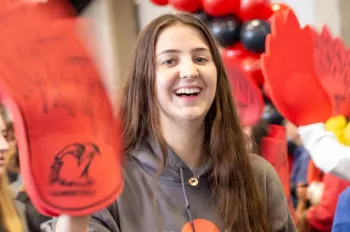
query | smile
[188, 91]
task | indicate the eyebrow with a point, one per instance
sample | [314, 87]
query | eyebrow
[199, 49]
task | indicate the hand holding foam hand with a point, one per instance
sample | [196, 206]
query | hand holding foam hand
[67, 135]
[67, 223]
[289, 69]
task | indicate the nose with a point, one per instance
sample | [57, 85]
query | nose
[188, 69]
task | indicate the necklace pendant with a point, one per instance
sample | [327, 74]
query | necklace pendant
[193, 181]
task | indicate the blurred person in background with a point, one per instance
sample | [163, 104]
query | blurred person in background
[301, 159]
[10, 214]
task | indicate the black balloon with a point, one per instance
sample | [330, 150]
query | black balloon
[253, 34]
[225, 29]
[201, 15]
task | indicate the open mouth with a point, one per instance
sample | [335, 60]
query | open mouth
[188, 92]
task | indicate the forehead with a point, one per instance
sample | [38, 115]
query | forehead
[180, 37]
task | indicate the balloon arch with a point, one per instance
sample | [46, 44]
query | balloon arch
[240, 27]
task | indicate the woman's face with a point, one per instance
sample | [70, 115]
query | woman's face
[186, 76]
[3, 145]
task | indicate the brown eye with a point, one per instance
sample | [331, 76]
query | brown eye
[169, 62]
[201, 60]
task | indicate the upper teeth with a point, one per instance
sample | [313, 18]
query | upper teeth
[188, 90]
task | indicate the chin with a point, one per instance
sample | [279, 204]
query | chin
[192, 115]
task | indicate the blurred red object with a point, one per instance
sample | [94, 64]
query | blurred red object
[53, 9]
[186, 5]
[246, 94]
[160, 2]
[294, 85]
[248, 61]
[221, 7]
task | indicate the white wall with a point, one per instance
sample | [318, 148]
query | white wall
[147, 11]
[302, 8]
[317, 13]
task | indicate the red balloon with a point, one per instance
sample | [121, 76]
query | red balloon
[220, 7]
[255, 9]
[186, 5]
[236, 52]
[160, 2]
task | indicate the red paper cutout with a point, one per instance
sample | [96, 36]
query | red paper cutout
[332, 62]
[67, 136]
[289, 69]
[247, 96]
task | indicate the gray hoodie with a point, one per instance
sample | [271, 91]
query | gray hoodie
[177, 202]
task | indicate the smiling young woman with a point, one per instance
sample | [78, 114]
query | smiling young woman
[181, 131]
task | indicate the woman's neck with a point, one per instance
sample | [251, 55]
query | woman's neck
[185, 139]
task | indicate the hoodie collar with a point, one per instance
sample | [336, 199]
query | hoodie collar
[149, 157]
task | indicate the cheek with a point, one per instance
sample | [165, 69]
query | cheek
[163, 84]
[211, 81]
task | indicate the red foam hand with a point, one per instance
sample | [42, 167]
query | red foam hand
[332, 62]
[186, 5]
[160, 2]
[246, 94]
[289, 68]
[220, 7]
[67, 136]
[255, 9]
[51, 10]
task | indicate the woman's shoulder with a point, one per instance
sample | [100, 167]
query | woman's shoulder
[261, 167]
[265, 174]
[273, 194]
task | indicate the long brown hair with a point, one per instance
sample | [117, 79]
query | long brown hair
[8, 214]
[239, 203]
